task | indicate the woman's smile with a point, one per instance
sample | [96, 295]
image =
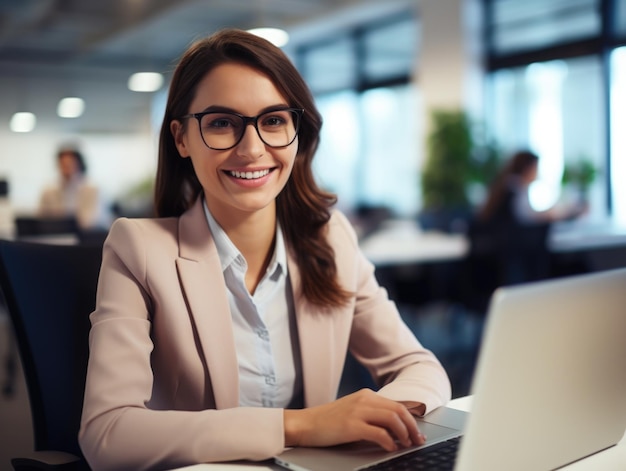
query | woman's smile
[249, 178]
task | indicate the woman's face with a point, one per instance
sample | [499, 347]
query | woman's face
[247, 178]
[68, 165]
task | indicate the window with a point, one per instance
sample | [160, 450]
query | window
[618, 139]
[547, 107]
[337, 157]
[620, 17]
[362, 84]
[528, 24]
[330, 66]
[548, 89]
[390, 50]
[367, 153]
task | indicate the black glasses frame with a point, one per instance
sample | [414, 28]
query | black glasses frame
[246, 121]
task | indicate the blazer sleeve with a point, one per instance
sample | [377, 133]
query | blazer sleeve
[379, 338]
[119, 428]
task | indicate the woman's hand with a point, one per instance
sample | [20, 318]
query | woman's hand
[363, 415]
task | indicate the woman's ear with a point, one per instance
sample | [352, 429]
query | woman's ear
[176, 128]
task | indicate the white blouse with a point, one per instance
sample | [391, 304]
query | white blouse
[264, 327]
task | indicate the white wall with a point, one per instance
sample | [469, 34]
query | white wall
[115, 162]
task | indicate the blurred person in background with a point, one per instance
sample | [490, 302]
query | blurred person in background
[73, 194]
[508, 237]
[508, 200]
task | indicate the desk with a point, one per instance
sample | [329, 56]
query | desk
[404, 243]
[582, 235]
[613, 459]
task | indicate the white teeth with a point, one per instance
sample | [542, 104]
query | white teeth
[249, 175]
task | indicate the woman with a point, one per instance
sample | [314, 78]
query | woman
[221, 328]
[508, 201]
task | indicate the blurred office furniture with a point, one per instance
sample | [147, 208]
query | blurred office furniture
[500, 255]
[418, 264]
[6, 211]
[50, 292]
[63, 229]
[411, 263]
[402, 242]
[28, 226]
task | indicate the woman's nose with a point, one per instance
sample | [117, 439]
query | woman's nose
[251, 145]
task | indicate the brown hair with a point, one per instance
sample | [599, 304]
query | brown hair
[303, 209]
[518, 164]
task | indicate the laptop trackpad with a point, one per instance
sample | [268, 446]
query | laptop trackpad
[356, 454]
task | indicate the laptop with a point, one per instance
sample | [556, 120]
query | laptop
[549, 387]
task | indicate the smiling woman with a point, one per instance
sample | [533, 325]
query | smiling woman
[231, 314]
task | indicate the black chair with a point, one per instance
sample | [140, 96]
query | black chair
[502, 255]
[50, 291]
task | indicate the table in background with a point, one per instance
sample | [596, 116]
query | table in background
[402, 242]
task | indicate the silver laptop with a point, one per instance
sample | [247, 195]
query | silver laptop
[549, 387]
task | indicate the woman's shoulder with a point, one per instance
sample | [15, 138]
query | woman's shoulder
[144, 231]
[340, 228]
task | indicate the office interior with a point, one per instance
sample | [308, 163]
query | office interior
[549, 75]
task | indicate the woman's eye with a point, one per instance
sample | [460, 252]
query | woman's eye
[219, 123]
[274, 120]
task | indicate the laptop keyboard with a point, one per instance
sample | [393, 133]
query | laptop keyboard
[438, 457]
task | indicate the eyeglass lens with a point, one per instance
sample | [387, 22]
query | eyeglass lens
[222, 130]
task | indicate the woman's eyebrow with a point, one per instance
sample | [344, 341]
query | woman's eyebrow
[226, 109]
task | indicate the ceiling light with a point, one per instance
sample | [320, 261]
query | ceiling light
[145, 82]
[23, 122]
[71, 107]
[278, 37]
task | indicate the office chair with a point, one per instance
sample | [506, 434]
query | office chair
[50, 292]
[501, 255]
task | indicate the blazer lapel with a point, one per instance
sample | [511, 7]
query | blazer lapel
[203, 284]
[317, 348]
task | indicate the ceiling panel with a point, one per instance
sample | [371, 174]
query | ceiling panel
[55, 48]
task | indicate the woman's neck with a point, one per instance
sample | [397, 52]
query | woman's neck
[254, 235]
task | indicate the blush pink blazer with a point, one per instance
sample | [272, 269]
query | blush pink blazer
[162, 382]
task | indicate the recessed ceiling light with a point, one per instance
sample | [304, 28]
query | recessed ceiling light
[278, 37]
[23, 122]
[71, 107]
[145, 82]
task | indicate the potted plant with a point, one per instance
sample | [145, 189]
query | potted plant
[455, 160]
[580, 175]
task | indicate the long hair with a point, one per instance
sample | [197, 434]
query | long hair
[518, 165]
[303, 209]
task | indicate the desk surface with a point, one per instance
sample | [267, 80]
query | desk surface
[613, 459]
[403, 242]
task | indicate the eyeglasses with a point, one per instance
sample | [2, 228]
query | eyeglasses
[223, 130]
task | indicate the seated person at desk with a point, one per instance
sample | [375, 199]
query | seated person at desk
[509, 200]
[508, 236]
[73, 194]
[221, 327]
